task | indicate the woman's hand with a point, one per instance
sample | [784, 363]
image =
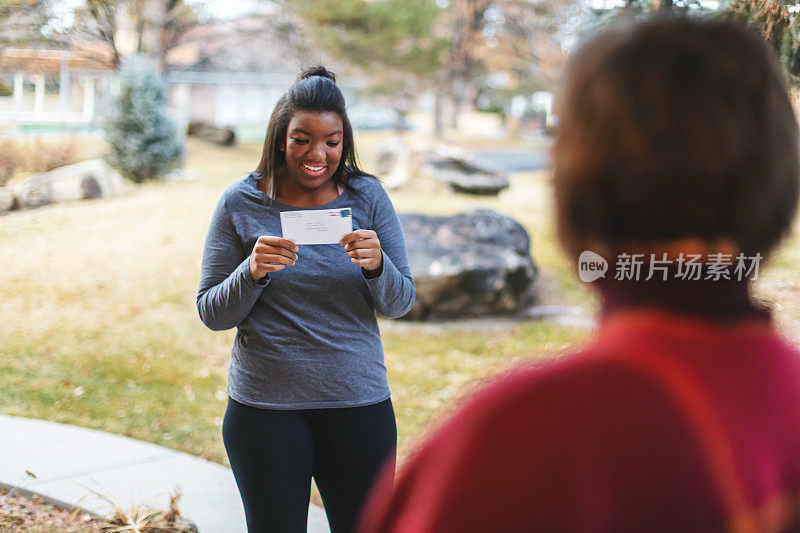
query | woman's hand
[364, 250]
[271, 254]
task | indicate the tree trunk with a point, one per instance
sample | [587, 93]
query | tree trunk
[152, 37]
[458, 90]
[140, 25]
[402, 122]
[456, 111]
[438, 127]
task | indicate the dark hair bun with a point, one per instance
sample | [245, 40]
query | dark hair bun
[319, 70]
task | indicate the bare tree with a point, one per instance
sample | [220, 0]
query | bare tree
[158, 25]
[527, 41]
[161, 25]
[466, 21]
[27, 22]
[391, 43]
[268, 40]
[99, 21]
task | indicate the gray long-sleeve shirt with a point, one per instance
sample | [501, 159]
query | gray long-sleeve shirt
[307, 336]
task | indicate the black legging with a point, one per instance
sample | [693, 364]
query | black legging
[275, 453]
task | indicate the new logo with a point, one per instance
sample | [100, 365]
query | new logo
[591, 266]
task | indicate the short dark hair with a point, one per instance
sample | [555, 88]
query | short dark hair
[314, 90]
[675, 127]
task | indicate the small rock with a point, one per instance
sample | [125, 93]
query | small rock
[89, 179]
[6, 199]
[465, 176]
[209, 132]
[180, 174]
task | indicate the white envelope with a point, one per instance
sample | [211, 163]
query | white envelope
[317, 226]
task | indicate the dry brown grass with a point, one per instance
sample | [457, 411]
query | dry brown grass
[25, 155]
[100, 329]
[20, 514]
[8, 160]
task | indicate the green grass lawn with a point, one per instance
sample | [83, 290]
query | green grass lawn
[99, 328]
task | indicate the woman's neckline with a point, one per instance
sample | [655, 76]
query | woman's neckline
[717, 301]
[267, 197]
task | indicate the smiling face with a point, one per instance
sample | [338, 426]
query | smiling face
[313, 149]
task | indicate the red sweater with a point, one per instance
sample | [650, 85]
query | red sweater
[665, 422]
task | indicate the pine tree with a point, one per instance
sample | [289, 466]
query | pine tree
[779, 27]
[144, 141]
[393, 43]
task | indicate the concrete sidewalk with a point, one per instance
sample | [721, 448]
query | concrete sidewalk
[69, 462]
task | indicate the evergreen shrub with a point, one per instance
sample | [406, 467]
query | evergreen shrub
[143, 139]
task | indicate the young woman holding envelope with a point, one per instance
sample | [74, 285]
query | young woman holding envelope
[307, 384]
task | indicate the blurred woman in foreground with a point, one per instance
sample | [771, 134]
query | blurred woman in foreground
[677, 162]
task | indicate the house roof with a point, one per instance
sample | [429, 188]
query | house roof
[51, 61]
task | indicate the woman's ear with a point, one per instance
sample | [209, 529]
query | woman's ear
[282, 147]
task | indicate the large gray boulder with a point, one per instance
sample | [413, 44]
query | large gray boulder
[467, 265]
[89, 179]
